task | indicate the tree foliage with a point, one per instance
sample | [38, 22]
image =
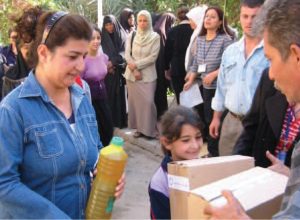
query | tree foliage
[88, 8]
[12, 9]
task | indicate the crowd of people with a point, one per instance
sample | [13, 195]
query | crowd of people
[66, 84]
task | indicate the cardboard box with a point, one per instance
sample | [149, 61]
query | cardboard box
[184, 176]
[259, 190]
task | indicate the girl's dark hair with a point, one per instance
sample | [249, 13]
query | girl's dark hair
[96, 28]
[70, 26]
[223, 29]
[173, 120]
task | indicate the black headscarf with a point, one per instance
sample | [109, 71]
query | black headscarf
[163, 24]
[124, 16]
[113, 45]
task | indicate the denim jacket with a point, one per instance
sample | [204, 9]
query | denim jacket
[238, 78]
[45, 165]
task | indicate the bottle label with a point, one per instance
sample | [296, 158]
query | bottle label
[110, 205]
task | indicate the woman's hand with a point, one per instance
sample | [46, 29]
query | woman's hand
[110, 67]
[131, 66]
[168, 74]
[208, 79]
[189, 78]
[120, 187]
[277, 165]
[137, 75]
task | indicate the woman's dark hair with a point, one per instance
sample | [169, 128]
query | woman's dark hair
[173, 120]
[124, 16]
[181, 13]
[223, 29]
[32, 24]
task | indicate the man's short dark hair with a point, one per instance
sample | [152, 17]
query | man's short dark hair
[252, 3]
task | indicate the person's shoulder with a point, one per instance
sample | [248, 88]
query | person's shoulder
[5, 49]
[12, 100]
[226, 37]
[104, 57]
[156, 35]
[232, 48]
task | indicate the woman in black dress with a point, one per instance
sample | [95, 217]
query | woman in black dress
[113, 45]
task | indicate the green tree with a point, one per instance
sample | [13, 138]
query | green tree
[11, 9]
[231, 7]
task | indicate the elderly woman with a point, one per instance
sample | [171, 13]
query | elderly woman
[141, 53]
[113, 45]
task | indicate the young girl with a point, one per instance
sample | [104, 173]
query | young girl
[96, 69]
[181, 139]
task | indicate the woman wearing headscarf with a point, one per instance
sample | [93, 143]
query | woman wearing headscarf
[127, 20]
[177, 42]
[162, 27]
[141, 54]
[113, 45]
[196, 17]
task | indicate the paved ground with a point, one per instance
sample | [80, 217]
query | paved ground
[144, 157]
[142, 163]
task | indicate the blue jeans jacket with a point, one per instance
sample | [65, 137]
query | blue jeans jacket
[44, 164]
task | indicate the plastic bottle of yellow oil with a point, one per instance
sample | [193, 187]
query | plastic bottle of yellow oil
[110, 168]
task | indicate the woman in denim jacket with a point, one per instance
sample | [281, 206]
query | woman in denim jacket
[49, 140]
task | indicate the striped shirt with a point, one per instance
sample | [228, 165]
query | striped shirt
[290, 207]
[289, 132]
[210, 52]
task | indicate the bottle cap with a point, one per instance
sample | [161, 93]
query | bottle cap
[118, 141]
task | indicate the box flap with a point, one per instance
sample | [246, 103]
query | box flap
[209, 161]
[189, 174]
[251, 187]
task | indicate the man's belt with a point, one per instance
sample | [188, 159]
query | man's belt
[239, 117]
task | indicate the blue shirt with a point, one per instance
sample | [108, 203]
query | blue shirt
[45, 165]
[238, 78]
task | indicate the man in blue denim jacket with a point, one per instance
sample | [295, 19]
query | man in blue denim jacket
[49, 140]
[240, 71]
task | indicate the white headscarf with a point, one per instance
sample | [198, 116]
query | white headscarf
[144, 37]
[197, 15]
